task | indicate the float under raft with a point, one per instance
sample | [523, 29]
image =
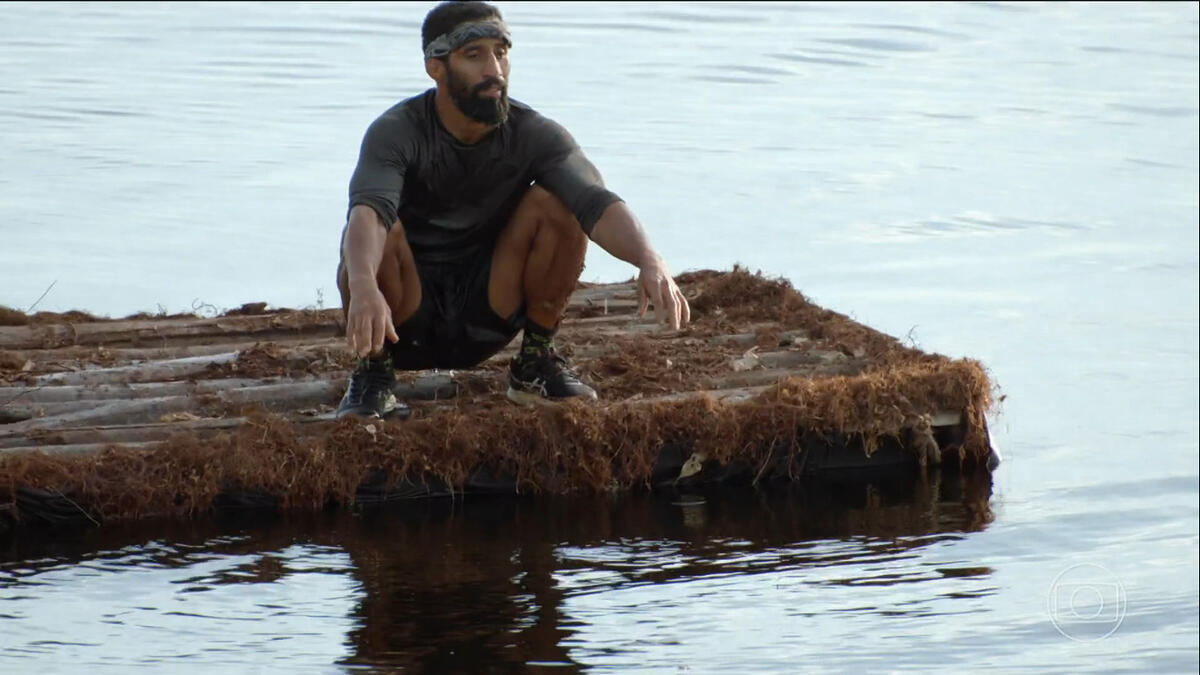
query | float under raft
[177, 415]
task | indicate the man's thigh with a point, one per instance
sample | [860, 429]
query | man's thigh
[538, 208]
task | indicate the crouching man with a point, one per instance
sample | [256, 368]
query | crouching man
[469, 219]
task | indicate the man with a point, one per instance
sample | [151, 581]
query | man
[469, 220]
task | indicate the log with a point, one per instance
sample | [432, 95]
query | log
[154, 371]
[27, 396]
[285, 396]
[44, 401]
[154, 431]
[63, 354]
[73, 449]
[87, 440]
[163, 332]
[768, 376]
[123, 433]
[283, 324]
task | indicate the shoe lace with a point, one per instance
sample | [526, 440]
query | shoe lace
[558, 362]
[369, 378]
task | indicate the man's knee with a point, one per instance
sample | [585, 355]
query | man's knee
[553, 212]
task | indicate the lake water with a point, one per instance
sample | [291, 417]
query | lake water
[1013, 183]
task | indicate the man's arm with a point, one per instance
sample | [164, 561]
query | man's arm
[619, 232]
[563, 169]
[368, 318]
[375, 192]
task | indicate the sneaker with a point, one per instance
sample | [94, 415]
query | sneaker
[544, 379]
[369, 393]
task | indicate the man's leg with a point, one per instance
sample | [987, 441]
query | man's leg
[369, 393]
[537, 261]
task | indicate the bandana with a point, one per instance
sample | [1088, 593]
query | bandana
[464, 33]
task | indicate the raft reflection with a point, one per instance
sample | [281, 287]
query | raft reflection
[462, 586]
[483, 584]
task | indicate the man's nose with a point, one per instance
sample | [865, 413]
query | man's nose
[493, 68]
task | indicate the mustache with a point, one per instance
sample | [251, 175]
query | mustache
[488, 83]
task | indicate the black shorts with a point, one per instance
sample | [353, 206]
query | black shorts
[455, 326]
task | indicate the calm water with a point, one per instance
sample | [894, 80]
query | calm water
[1016, 183]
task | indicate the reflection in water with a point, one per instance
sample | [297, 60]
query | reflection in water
[454, 585]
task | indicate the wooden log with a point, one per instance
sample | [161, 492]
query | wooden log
[53, 401]
[73, 449]
[154, 371]
[28, 396]
[277, 325]
[287, 396]
[119, 354]
[152, 431]
[122, 433]
[161, 333]
[768, 376]
[95, 439]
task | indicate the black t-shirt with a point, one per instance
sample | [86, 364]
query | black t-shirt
[454, 198]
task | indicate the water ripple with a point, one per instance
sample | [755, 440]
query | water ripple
[1156, 111]
[879, 44]
[820, 60]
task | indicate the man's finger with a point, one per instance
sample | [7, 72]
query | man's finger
[643, 299]
[678, 306]
[670, 311]
[376, 335]
[391, 330]
[687, 310]
[352, 335]
[660, 310]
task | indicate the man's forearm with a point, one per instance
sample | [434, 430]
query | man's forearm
[362, 246]
[619, 232]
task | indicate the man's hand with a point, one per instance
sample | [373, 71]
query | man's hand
[656, 287]
[368, 319]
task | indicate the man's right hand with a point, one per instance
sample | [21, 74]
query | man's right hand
[368, 319]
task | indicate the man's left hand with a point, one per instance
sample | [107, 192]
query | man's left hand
[656, 287]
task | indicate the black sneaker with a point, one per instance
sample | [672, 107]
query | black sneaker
[369, 393]
[544, 379]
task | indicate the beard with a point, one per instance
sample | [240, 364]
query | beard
[479, 108]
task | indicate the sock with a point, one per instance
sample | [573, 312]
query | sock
[538, 341]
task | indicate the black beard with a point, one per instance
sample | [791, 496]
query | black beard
[479, 108]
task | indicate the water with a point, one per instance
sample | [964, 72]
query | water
[1014, 183]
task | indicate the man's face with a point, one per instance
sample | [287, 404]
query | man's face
[477, 76]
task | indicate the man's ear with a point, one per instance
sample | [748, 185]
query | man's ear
[435, 69]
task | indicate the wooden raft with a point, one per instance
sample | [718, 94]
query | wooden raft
[173, 415]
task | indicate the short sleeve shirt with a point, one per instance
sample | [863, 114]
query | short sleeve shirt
[453, 198]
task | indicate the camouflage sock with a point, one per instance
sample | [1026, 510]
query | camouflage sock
[538, 341]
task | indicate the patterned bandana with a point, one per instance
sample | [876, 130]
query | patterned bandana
[464, 33]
